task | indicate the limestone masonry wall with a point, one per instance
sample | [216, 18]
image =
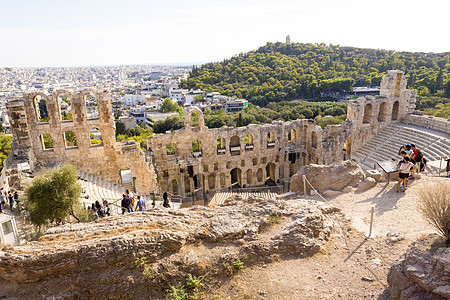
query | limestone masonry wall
[37, 125]
[435, 123]
[196, 158]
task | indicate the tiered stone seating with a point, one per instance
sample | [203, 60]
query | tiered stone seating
[385, 145]
[220, 198]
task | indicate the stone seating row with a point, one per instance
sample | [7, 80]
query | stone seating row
[386, 144]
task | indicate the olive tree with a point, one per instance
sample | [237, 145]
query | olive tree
[53, 195]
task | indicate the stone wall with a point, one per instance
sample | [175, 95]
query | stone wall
[104, 160]
[435, 123]
[295, 144]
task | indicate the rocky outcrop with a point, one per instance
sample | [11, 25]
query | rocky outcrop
[95, 260]
[422, 272]
[331, 177]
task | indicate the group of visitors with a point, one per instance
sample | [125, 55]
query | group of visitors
[99, 210]
[412, 160]
[11, 197]
[131, 203]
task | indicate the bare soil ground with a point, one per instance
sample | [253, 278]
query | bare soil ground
[352, 266]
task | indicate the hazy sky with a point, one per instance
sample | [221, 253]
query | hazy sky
[110, 32]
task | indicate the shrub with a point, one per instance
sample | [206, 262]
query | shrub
[238, 264]
[434, 204]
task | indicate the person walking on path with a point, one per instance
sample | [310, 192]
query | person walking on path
[11, 200]
[166, 197]
[140, 204]
[403, 172]
[126, 203]
[2, 199]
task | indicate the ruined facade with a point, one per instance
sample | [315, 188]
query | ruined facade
[77, 128]
[196, 157]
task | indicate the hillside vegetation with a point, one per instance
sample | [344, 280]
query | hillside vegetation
[279, 71]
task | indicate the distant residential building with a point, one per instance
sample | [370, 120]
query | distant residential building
[152, 117]
[178, 95]
[138, 114]
[217, 106]
[191, 96]
[133, 99]
[129, 122]
[234, 106]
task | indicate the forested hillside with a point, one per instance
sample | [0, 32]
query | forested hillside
[279, 71]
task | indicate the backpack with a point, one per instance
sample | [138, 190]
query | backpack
[419, 156]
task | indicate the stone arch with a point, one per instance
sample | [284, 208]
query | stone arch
[70, 139]
[95, 135]
[170, 149]
[194, 120]
[221, 145]
[382, 114]
[188, 116]
[292, 136]
[174, 186]
[367, 113]
[259, 175]
[248, 141]
[270, 171]
[236, 177]
[196, 146]
[270, 139]
[91, 103]
[313, 139]
[249, 176]
[395, 108]
[64, 100]
[40, 105]
[212, 181]
[235, 145]
[47, 141]
[187, 185]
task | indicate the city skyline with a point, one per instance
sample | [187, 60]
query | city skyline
[102, 33]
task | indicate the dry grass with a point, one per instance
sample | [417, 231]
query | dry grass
[434, 204]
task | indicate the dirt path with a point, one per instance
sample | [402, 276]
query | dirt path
[352, 267]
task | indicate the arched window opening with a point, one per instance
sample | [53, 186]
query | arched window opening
[249, 176]
[235, 145]
[313, 139]
[221, 146]
[170, 149]
[194, 120]
[65, 107]
[248, 140]
[270, 174]
[259, 175]
[236, 181]
[292, 135]
[395, 110]
[174, 187]
[70, 139]
[212, 182]
[187, 185]
[47, 141]
[95, 136]
[270, 140]
[91, 106]
[382, 114]
[367, 113]
[41, 109]
[196, 147]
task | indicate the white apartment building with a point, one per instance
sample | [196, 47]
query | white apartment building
[129, 99]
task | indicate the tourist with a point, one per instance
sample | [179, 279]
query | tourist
[16, 199]
[105, 209]
[154, 204]
[403, 172]
[406, 148]
[419, 159]
[447, 168]
[140, 204]
[11, 200]
[131, 196]
[126, 203]
[2, 199]
[166, 197]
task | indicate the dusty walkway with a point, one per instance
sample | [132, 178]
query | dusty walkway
[352, 267]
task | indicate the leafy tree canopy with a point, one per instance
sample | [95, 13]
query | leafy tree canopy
[52, 195]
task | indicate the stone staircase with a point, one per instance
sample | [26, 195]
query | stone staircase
[384, 146]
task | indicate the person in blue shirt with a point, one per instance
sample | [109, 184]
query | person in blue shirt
[140, 204]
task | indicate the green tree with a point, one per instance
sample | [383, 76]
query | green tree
[169, 106]
[5, 147]
[53, 195]
[120, 128]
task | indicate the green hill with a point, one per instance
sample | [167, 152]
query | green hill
[279, 71]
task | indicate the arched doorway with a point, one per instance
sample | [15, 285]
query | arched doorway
[270, 173]
[236, 178]
[395, 111]
[367, 113]
[382, 114]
